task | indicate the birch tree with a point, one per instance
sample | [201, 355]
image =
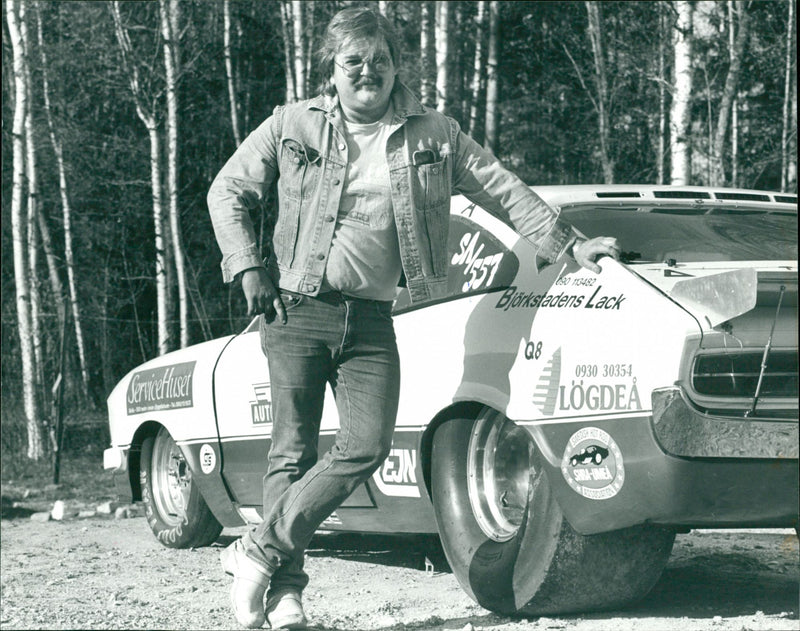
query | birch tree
[288, 50]
[308, 41]
[600, 101]
[170, 29]
[661, 80]
[729, 93]
[492, 61]
[32, 245]
[680, 111]
[426, 44]
[14, 17]
[477, 70]
[146, 111]
[735, 105]
[299, 37]
[66, 215]
[442, 49]
[234, 105]
[789, 117]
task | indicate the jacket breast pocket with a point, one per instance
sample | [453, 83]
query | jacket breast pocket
[434, 183]
[300, 167]
[299, 176]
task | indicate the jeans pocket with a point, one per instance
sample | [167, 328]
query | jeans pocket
[384, 310]
[291, 299]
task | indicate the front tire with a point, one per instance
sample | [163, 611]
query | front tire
[176, 512]
[506, 538]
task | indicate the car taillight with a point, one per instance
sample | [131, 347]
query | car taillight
[736, 374]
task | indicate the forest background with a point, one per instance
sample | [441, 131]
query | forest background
[117, 116]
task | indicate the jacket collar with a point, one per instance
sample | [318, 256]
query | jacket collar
[404, 102]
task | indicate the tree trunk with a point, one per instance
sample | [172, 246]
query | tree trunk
[734, 105]
[426, 41]
[601, 82]
[729, 94]
[662, 96]
[477, 72]
[680, 112]
[299, 33]
[160, 243]
[56, 286]
[789, 130]
[492, 116]
[31, 219]
[148, 117]
[442, 49]
[226, 18]
[288, 50]
[66, 211]
[308, 55]
[14, 15]
[170, 29]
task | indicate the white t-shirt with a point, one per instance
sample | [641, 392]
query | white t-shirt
[364, 259]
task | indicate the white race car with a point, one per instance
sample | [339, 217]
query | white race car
[556, 427]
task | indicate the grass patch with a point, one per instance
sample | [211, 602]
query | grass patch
[82, 477]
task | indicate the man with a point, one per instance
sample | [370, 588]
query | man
[365, 174]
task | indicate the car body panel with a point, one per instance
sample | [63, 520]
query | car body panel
[599, 364]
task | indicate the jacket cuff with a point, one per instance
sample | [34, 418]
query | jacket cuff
[557, 242]
[239, 261]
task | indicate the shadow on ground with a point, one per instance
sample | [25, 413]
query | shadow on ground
[420, 552]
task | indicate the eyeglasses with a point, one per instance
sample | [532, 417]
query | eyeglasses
[353, 66]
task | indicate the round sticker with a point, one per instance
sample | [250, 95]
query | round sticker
[208, 458]
[592, 464]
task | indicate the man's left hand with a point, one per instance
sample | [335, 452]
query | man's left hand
[587, 252]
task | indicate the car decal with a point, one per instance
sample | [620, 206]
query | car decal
[514, 298]
[545, 393]
[397, 476]
[592, 464]
[163, 388]
[261, 408]
[208, 458]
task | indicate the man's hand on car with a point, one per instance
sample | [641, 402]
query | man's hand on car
[586, 252]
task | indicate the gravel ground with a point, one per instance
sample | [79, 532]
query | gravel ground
[105, 573]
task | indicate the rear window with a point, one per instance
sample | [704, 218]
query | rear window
[658, 234]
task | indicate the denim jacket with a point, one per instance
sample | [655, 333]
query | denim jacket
[303, 146]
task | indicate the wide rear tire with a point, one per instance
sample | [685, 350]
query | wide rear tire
[176, 512]
[506, 538]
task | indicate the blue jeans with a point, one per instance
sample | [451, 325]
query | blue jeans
[350, 344]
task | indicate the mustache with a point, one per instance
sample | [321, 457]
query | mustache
[377, 81]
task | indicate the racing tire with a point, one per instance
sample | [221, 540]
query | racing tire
[506, 539]
[176, 511]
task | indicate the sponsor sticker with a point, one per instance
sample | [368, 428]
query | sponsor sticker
[592, 464]
[163, 388]
[545, 393]
[617, 390]
[397, 476]
[512, 298]
[208, 458]
[261, 408]
[478, 261]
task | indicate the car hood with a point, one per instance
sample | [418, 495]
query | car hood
[714, 292]
[204, 352]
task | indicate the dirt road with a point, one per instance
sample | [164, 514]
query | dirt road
[112, 574]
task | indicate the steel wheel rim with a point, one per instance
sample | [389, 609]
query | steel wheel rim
[499, 467]
[171, 479]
